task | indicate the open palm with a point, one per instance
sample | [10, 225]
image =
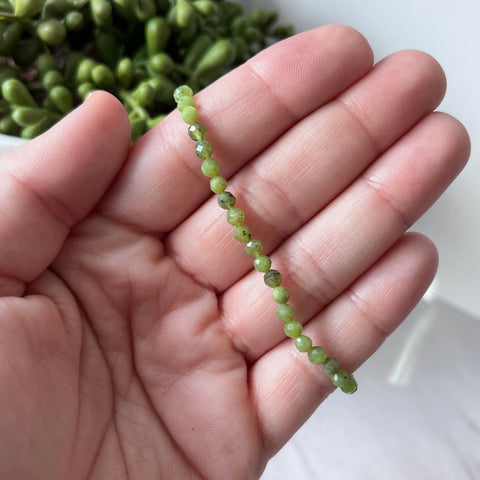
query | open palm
[135, 339]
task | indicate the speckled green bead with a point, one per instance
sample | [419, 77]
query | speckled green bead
[203, 149]
[210, 167]
[272, 278]
[345, 381]
[226, 200]
[242, 233]
[285, 312]
[303, 343]
[262, 263]
[254, 248]
[185, 102]
[218, 184]
[182, 91]
[190, 115]
[317, 355]
[281, 295]
[197, 131]
[235, 216]
[293, 329]
[330, 366]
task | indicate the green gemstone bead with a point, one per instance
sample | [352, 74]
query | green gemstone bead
[226, 200]
[281, 295]
[303, 343]
[236, 216]
[317, 355]
[210, 167]
[293, 329]
[185, 102]
[182, 91]
[344, 381]
[190, 115]
[262, 263]
[242, 233]
[285, 312]
[203, 149]
[330, 366]
[197, 131]
[254, 248]
[272, 278]
[218, 184]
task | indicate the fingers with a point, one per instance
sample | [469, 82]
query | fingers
[244, 112]
[310, 165]
[287, 389]
[53, 181]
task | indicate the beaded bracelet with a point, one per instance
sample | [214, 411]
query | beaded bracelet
[183, 96]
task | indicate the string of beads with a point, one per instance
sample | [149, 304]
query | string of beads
[183, 96]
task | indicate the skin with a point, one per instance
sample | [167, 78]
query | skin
[136, 340]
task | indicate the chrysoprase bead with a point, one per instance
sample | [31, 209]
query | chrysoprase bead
[293, 329]
[183, 90]
[185, 102]
[330, 366]
[317, 355]
[254, 248]
[218, 184]
[235, 216]
[344, 381]
[197, 131]
[262, 263]
[272, 278]
[281, 295]
[210, 167]
[303, 343]
[203, 149]
[242, 233]
[226, 200]
[190, 115]
[285, 312]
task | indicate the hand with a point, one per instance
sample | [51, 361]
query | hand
[135, 339]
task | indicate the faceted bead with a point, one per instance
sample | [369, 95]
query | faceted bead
[185, 102]
[197, 131]
[262, 263]
[218, 184]
[317, 355]
[226, 200]
[281, 295]
[210, 167]
[330, 366]
[183, 90]
[254, 248]
[293, 329]
[190, 115]
[344, 381]
[203, 149]
[303, 343]
[272, 278]
[242, 233]
[285, 312]
[235, 216]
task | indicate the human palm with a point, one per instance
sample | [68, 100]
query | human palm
[135, 341]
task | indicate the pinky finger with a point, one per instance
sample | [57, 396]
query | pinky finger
[286, 388]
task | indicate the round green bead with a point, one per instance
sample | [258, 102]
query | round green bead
[330, 366]
[210, 167]
[218, 184]
[203, 149]
[281, 295]
[317, 355]
[272, 278]
[185, 102]
[285, 312]
[235, 216]
[182, 91]
[197, 131]
[254, 248]
[242, 233]
[303, 343]
[293, 329]
[226, 200]
[344, 381]
[262, 263]
[190, 115]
